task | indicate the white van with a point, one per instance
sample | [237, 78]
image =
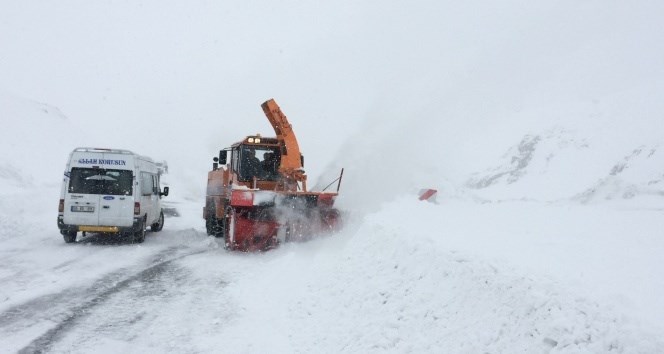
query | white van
[110, 191]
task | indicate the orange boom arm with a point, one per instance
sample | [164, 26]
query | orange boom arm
[291, 158]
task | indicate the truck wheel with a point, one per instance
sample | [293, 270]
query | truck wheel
[208, 226]
[214, 226]
[69, 236]
[229, 229]
[219, 229]
[139, 235]
[156, 227]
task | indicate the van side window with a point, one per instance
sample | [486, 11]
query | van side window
[146, 183]
[155, 184]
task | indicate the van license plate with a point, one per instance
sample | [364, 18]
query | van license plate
[84, 209]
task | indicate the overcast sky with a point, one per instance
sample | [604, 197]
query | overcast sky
[180, 80]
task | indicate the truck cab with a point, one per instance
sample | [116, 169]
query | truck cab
[254, 160]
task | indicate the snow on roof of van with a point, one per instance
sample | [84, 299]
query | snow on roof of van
[115, 151]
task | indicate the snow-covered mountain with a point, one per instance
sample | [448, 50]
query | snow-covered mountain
[537, 124]
[540, 166]
[558, 165]
[638, 174]
[32, 135]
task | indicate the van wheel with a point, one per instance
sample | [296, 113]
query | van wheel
[139, 235]
[69, 236]
[156, 227]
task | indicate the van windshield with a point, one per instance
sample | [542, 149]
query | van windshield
[100, 181]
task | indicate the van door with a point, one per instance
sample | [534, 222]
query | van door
[146, 196]
[156, 205]
[99, 197]
[116, 203]
[82, 197]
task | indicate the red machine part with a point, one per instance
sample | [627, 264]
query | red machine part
[250, 227]
[428, 195]
[242, 198]
[245, 233]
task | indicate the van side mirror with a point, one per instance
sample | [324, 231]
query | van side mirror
[222, 157]
[165, 192]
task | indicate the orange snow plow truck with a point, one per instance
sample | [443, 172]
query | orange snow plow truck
[257, 192]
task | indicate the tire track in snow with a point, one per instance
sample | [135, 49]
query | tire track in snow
[72, 304]
[42, 307]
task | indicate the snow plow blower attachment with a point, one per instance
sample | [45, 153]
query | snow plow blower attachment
[257, 196]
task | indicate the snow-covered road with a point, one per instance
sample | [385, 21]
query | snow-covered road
[454, 277]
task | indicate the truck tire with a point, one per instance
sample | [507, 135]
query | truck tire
[229, 229]
[156, 227]
[211, 225]
[208, 225]
[214, 226]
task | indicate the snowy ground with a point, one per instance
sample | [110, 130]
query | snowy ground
[411, 277]
[539, 124]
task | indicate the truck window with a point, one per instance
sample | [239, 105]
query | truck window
[100, 181]
[234, 160]
[259, 161]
